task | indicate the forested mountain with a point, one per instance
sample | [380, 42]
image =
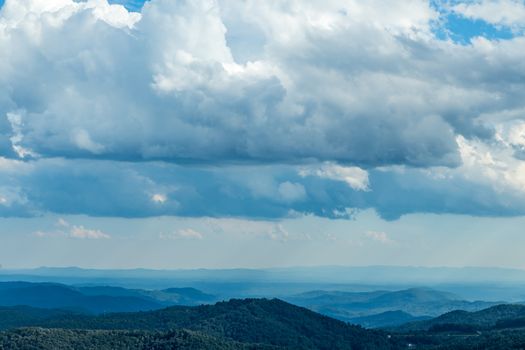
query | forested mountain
[499, 316]
[251, 321]
[495, 328]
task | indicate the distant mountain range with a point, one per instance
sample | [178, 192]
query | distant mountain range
[89, 317]
[384, 308]
[369, 309]
[237, 324]
[97, 299]
[364, 275]
[472, 283]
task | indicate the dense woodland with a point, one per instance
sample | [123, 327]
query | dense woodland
[237, 324]
[253, 324]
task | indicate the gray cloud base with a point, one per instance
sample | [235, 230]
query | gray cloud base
[102, 188]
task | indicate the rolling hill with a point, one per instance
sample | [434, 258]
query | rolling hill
[496, 317]
[356, 307]
[97, 299]
[256, 323]
[387, 319]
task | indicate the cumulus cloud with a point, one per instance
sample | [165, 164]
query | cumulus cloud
[257, 109]
[355, 177]
[348, 82]
[67, 230]
[509, 13]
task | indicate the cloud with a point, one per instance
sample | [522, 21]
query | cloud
[67, 230]
[490, 182]
[223, 108]
[278, 233]
[187, 233]
[84, 233]
[159, 198]
[291, 192]
[508, 13]
[355, 177]
[380, 237]
[182, 96]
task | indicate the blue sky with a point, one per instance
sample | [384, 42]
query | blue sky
[216, 129]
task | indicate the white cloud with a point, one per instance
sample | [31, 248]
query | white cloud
[334, 88]
[380, 237]
[84, 233]
[509, 13]
[15, 119]
[159, 198]
[187, 233]
[354, 177]
[182, 95]
[114, 15]
[494, 166]
[67, 230]
[83, 141]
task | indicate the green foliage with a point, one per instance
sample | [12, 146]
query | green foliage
[40, 338]
[250, 323]
[480, 320]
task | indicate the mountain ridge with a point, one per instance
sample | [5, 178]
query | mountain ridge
[269, 322]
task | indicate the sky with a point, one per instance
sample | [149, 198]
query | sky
[220, 133]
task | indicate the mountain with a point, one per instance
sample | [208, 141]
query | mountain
[472, 283]
[387, 319]
[496, 317]
[254, 323]
[190, 294]
[58, 296]
[352, 307]
[165, 297]
[97, 299]
[376, 275]
[495, 328]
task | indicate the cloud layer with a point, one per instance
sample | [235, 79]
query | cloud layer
[258, 109]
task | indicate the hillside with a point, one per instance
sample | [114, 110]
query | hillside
[52, 339]
[250, 321]
[500, 316]
[386, 319]
[97, 299]
[352, 307]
